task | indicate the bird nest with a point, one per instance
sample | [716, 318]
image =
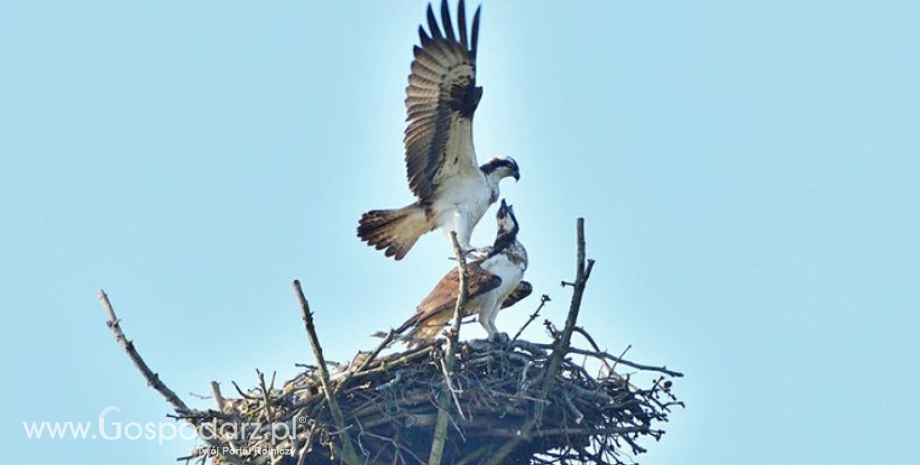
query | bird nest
[391, 405]
[440, 402]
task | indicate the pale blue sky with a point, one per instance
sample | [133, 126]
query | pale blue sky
[748, 172]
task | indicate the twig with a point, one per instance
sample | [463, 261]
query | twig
[153, 379]
[367, 361]
[440, 430]
[580, 330]
[218, 397]
[188, 458]
[474, 455]
[240, 391]
[349, 454]
[543, 300]
[622, 354]
[266, 396]
[199, 396]
[623, 361]
[620, 430]
[579, 417]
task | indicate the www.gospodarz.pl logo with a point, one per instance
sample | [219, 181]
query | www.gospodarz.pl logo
[244, 432]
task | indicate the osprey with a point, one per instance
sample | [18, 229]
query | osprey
[495, 282]
[453, 192]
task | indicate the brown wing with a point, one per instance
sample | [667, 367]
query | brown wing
[440, 100]
[437, 309]
[519, 293]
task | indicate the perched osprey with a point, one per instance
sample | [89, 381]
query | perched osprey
[453, 191]
[495, 282]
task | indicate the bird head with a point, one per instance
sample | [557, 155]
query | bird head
[502, 167]
[507, 223]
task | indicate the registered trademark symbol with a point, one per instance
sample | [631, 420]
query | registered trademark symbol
[302, 420]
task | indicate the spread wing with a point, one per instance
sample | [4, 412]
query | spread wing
[519, 293]
[441, 99]
[438, 308]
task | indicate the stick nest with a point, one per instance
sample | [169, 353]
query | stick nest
[499, 393]
[441, 402]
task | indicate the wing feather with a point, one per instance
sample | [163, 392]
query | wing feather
[418, 101]
[437, 309]
[445, 20]
[433, 25]
[440, 101]
[433, 58]
[461, 24]
[519, 293]
[475, 45]
[441, 301]
[423, 79]
[419, 109]
[423, 36]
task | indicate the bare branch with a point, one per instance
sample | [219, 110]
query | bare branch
[153, 379]
[581, 279]
[218, 397]
[623, 361]
[266, 395]
[594, 345]
[474, 455]
[440, 431]
[349, 453]
[367, 361]
[543, 300]
[561, 346]
[574, 431]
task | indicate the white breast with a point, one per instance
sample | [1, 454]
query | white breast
[461, 203]
[510, 272]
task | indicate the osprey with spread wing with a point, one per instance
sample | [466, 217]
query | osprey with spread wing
[495, 282]
[453, 192]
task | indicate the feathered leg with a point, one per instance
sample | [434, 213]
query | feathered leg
[458, 221]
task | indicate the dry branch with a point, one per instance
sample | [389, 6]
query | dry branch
[447, 391]
[153, 379]
[350, 455]
[533, 316]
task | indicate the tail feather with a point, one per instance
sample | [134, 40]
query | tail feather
[423, 327]
[426, 331]
[394, 230]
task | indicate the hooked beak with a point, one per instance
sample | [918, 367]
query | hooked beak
[517, 176]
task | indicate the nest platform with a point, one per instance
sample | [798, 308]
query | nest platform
[390, 405]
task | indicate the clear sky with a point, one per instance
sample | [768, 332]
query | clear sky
[748, 172]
